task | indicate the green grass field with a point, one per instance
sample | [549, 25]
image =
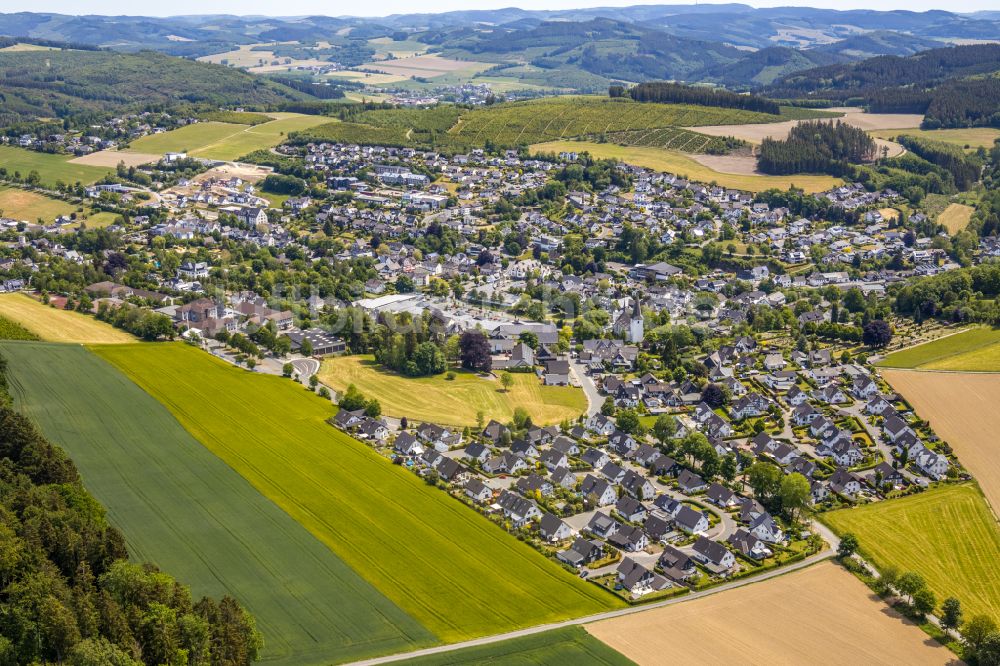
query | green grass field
[454, 402]
[559, 647]
[184, 509]
[445, 565]
[678, 163]
[225, 141]
[968, 137]
[30, 206]
[947, 534]
[975, 350]
[51, 168]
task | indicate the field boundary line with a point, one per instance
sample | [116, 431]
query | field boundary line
[606, 615]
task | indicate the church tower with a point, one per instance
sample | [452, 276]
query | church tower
[635, 327]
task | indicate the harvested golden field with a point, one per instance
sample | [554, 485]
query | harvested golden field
[674, 162]
[961, 407]
[956, 217]
[30, 206]
[111, 158]
[818, 615]
[969, 138]
[55, 325]
[755, 133]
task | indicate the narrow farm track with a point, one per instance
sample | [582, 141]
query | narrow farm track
[184, 509]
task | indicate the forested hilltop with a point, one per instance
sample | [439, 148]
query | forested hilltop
[68, 592]
[61, 84]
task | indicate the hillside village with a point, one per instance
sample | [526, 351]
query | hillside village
[653, 490]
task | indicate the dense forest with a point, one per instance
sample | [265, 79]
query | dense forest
[69, 594]
[930, 82]
[69, 84]
[666, 92]
[964, 169]
[816, 147]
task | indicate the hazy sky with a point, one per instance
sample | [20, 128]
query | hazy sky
[384, 7]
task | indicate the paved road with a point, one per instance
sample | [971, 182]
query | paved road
[594, 399]
[306, 367]
[832, 540]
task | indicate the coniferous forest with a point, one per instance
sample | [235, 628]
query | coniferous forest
[817, 147]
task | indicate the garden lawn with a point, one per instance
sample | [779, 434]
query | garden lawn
[678, 163]
[559, 647]
[445, 565]
[457, 401]
[30, 206]
[946, 534]
[226, 141]
[51, 168]
[54, 325]
[974, 350]
[182, 508]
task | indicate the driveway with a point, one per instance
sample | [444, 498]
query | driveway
[306, 367]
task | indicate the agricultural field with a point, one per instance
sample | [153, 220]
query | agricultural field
[974, 350]
[818, 615]
[570, 645]
[30, 206]
[182, 508]
[11, 330]
[969, 138]
[225, 141]
[112, 158]
[52, 168]
[672, 138]
[454, 402]
[429, 66]
[386, 47]
[446, 566]
[956, 217]
[54, 325]
[961, 409]
[755, 133]
[680, 164]
[947, 534]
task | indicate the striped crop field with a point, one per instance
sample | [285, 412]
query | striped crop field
[182, 508]
[451, 569]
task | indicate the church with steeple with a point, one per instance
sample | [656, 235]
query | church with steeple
[635, 324]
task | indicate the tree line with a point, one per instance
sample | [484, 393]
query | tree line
[675, 93]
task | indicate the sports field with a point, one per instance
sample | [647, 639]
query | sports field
[225, 141]
[51, 168]
[54, 325]
[184, 509]
[974, 350]
[683, 165]
[570, 645]
[818, 615]
[946, 534]
[961, 407]
[30, 206]
[454, 402]
[445, 565]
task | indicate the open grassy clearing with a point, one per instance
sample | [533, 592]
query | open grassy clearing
[967, 137]
[184, 509]
[428, 66]
[112, 158]
[680, 164]
[225, 141]
[961, 407]
[54, 325]
[387, 46]
[30, 206]
[976, 349]
[453, 402]
[570, 645]
[443, 564]
[52, 168]
[956, 217]
[947, 534]
[21, 47]
[818, 615]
